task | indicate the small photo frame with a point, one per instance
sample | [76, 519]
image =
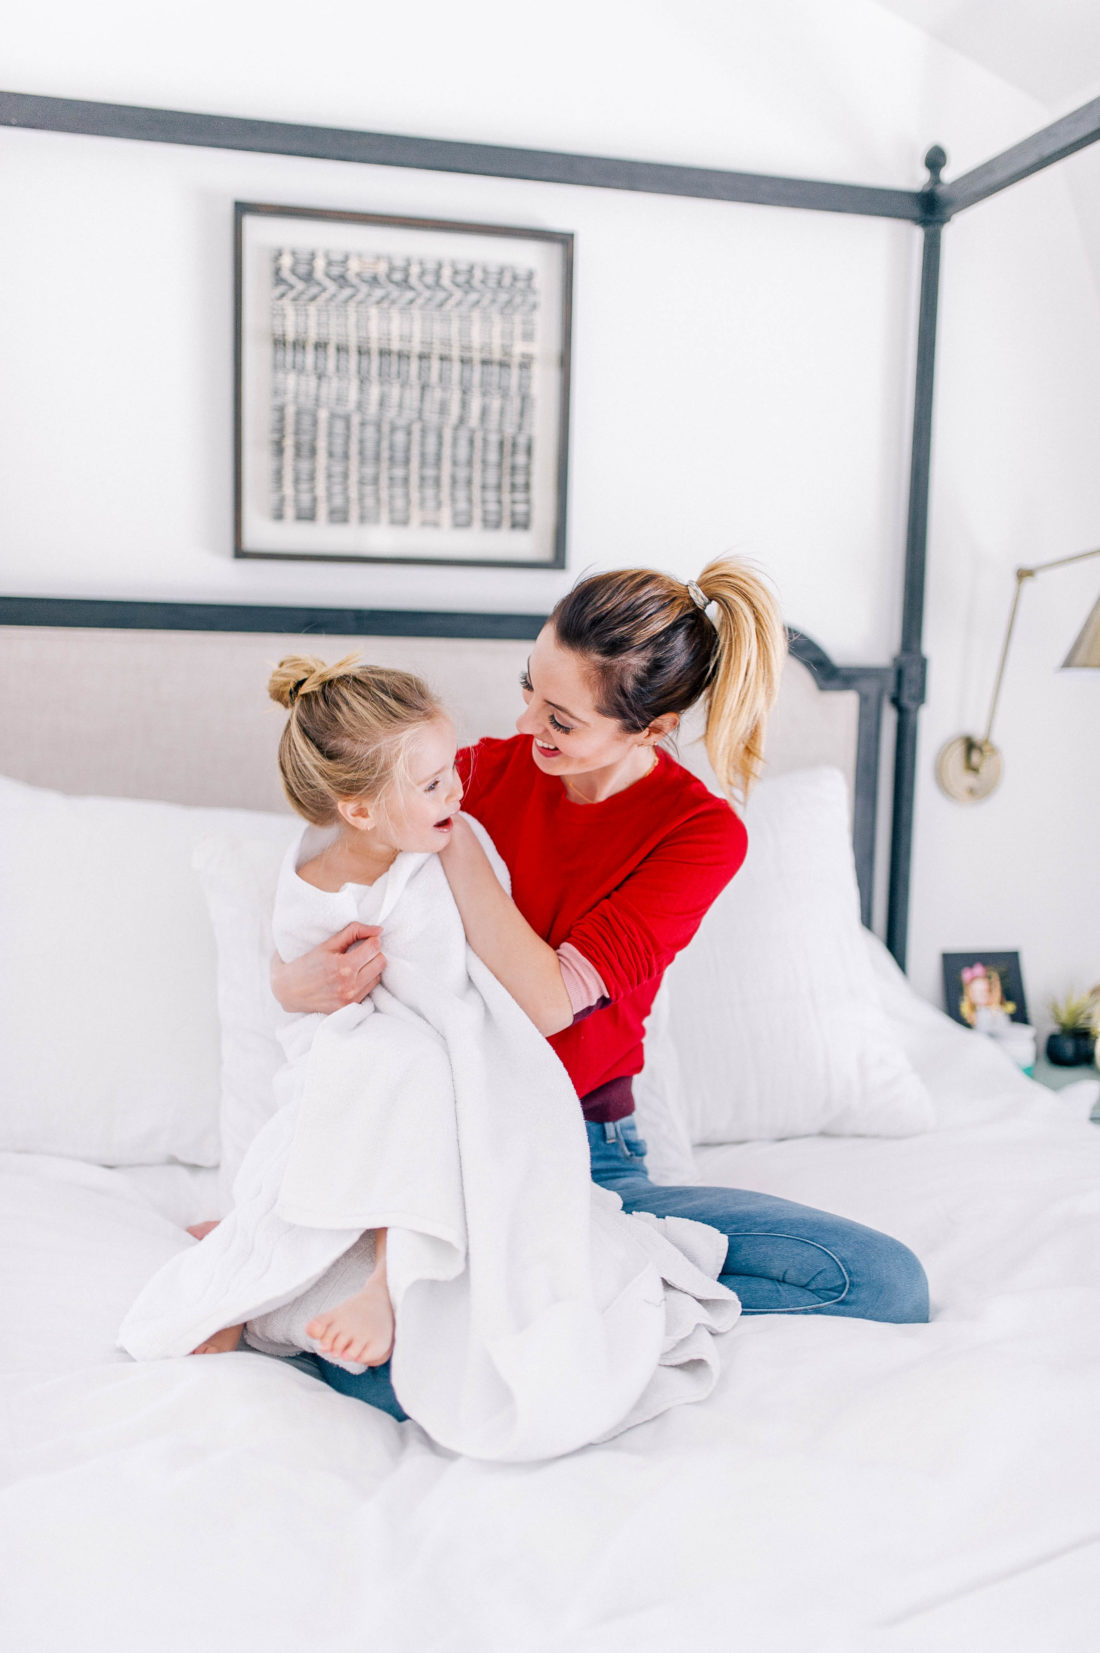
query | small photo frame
[984, 990]
[402, 389]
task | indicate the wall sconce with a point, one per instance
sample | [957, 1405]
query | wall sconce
[969, 769]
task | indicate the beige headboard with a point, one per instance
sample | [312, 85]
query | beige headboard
[180, 712]
[184, 715]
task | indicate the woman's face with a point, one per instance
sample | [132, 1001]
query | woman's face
[569, 736]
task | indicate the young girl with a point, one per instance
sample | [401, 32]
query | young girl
[367, 759]
[371, 762]
[983, 1003]
[426, 1170]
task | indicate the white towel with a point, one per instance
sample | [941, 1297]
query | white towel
[533, 1315]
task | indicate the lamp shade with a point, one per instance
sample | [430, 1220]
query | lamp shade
[1086, 650]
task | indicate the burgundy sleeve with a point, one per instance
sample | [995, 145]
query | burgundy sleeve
[636, 931]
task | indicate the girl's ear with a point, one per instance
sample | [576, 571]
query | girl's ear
[356, 813]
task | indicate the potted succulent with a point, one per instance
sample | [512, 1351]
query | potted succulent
[1074, 1039]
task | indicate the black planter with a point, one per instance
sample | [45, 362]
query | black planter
[1072, 1049]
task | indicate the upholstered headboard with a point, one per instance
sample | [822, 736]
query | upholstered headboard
[183, 714]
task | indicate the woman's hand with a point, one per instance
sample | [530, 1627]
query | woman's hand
[342, 970]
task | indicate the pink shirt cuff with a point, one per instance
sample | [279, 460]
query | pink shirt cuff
[583, 982]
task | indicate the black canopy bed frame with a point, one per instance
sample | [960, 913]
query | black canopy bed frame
[928, 209]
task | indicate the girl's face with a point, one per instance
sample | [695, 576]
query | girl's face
[981, 991]
[569, 736]
[418, 813]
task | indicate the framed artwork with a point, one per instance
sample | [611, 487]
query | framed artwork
[402, 389]
[984, 990]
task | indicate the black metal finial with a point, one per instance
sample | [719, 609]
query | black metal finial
[935, 161]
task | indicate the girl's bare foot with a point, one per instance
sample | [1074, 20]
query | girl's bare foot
[360, 1329]
[222, 1343]
[200, 1230]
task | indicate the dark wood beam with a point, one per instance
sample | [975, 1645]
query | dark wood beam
[330, 143]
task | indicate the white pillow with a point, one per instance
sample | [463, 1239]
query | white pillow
[773, 1011]
[239, 877]
[658, 1105]
[109, 1036]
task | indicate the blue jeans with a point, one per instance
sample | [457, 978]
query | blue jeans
[374, 1385]
[781, 1258]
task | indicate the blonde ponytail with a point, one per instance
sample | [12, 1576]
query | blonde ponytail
[752, 646]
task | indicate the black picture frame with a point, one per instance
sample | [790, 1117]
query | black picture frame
[401, 389]
[1002, 988]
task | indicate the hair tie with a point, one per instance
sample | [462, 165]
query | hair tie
[294, 691]
[701, 601]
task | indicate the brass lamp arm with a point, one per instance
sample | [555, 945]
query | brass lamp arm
[1023, 574]
[969, 769]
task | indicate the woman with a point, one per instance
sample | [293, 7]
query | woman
[615, 853]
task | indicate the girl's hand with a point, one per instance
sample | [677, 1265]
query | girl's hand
[342, 970]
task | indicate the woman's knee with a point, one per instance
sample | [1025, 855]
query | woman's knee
[894, 1285]
[854, 1271]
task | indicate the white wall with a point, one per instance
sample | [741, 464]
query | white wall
[742, 374]
[738, 382]
[1017, 482]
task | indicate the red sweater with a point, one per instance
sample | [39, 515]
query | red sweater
[626, 881]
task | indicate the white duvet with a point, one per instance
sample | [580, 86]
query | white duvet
[847, 1486]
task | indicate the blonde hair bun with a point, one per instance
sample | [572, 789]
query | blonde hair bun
[301, 674]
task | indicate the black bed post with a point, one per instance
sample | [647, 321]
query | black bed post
[910, 664]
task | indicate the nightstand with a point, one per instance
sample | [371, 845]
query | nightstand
[1057, 1079]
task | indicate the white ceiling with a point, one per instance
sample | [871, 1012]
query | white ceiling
[1049, 49]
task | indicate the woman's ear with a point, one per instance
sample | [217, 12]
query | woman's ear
[356, 813]
[660, 727]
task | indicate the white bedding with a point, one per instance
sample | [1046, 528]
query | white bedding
[849, 1485]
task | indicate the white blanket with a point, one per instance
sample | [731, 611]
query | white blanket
[533, 1316]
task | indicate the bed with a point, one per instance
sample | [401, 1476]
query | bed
[849, 1485]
